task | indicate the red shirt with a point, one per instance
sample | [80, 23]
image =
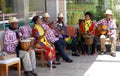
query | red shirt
[91, 28]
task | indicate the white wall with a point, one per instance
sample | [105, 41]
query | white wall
[52, 8]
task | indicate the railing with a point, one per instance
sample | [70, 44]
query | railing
[5, 17]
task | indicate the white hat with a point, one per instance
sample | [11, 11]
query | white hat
[108, 12]
[13, 19]
[46, 15]
[60, 15]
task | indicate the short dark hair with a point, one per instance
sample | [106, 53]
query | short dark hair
[88, 13]
[35, 18]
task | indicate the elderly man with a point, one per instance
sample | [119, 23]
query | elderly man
[58, 43]
[60, 24]
[62, 28]
[11, 41]
[111, 32]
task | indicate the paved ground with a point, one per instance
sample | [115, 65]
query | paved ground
[96, 65]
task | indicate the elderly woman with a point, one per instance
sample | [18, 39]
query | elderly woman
[42, 42]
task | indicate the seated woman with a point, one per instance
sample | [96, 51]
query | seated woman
[87, 27]
[42, 42]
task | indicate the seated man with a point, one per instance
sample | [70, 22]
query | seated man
[60, 25]
[110, 32]
[58, 43]
[11, 41]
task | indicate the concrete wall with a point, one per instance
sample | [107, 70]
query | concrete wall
[37, 5]
[52, 8]
[56, 6]
[62, 8]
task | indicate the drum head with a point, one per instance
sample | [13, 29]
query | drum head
[32, 38]
[25, 40]
[25, 44]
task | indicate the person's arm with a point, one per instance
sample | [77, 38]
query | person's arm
[113, 26]
[92, 28]
[36, 34]
[30, 30]
[8, 39]
[20, 32]
[99, 22]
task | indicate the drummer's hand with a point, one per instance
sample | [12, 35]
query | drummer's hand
[90, 33]
[45, 31]
[15, 42]
[20, 38]
[30, 48]
[85, 32]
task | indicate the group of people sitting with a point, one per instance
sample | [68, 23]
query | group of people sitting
[45, 35]
[89, 31]
[50, 36]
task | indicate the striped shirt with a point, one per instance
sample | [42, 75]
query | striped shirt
[10, 41]
[111, 24]
[50, 33]
[25, 31]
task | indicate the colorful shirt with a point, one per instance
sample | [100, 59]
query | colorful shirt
[37, 32]
[111, 24]
[50, 34]
[25, 31]
[10, 41]
[50, 51]
[91, 28]
[87, 25]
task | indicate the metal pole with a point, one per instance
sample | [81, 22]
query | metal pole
[3, 21]
[45, 6]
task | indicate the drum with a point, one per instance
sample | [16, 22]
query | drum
[70, 31]
[32, 41]
[25, 44]
[88, 39]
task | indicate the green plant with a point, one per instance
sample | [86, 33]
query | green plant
[100, 11]
[7, 10]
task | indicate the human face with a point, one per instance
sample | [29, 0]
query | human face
[46, 19]
[60, 19]
[39, 21]
[87, 17]
[108, 16]
[14, 25]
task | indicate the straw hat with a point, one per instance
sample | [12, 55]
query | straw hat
[46, 15]
[13, 19]
[60, 15]
[108, 12]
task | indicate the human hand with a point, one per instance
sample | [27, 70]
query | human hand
[29, 49]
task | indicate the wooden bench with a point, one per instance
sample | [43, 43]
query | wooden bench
[5, 64]
[40, 54]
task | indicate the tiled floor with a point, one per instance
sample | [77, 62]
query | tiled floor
[96, 65]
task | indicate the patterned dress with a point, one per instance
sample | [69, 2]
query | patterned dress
[43, 42]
